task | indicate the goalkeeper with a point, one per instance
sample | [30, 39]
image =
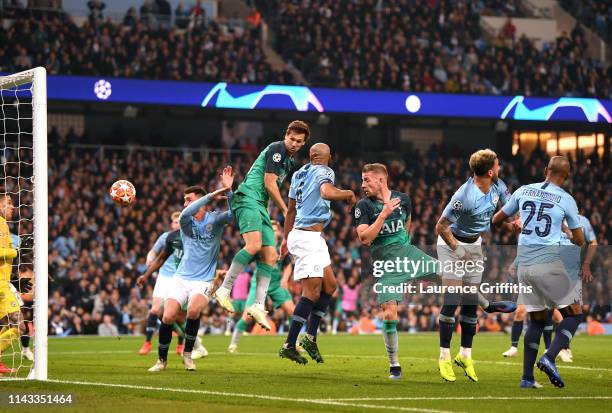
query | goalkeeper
[9, 303]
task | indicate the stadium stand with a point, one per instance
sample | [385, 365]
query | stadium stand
[592, 13]
[428, 46]
[404, 46]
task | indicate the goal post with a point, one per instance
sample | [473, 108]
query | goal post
[24, 177]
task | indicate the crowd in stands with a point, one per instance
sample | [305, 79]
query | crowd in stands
[430, 46]
[423, 46]
[594, 14]
[195, 48]
[97, 249]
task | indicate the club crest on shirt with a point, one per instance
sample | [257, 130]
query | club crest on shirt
[495, 198]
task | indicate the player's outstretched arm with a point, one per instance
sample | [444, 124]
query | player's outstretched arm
[368, 233]
[271, 186]
[154, 266]
[330, 193]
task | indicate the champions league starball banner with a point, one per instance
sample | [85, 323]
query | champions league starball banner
[321, 100]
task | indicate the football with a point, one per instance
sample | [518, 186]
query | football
[123, 192]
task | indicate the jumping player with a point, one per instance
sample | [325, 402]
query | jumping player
[250, 207]
[312, 189]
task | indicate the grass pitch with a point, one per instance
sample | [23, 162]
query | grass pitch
[107, 375]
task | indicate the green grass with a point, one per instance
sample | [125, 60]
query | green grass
[355, 368]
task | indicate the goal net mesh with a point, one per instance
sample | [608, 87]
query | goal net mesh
[16, 226]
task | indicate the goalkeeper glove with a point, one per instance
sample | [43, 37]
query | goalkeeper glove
[23, 285]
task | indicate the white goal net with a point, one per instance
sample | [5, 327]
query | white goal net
[23, 225]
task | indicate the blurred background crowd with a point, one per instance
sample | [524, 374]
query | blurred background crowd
[417, 45]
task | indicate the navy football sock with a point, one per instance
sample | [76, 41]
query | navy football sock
[532, 345]
[191, 333]
[517, 329]
[300, 315]
[318, 312]
[165, 337]
[548, 331]
[151, 326]
[566, 330]
[447, 324]
[468, 320]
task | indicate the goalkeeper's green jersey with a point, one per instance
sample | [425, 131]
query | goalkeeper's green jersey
[274, 159]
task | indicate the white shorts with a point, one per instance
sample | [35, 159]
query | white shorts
[162, 286]
[454, 268]
[310, 252]
[551, 286]
[182, 289]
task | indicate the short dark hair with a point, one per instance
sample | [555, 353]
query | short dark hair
[299, 127]
[482, 161]
[198, 190]
[375, 167]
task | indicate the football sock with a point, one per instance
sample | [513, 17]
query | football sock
[241, 327]
[566, 330]
[25, 339]
[240, 261]
[318, 312]
[515, 334]
[531, 343]
[151, 326]
[165, 337]
[468, 320]
[447, 325]
[191, 333]
[389, 331]
[300, 315]
[264, 274]
[548, 331]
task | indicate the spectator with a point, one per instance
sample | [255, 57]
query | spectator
[108, 328]
[164, 11]
[508, 31]
[181, 16]
[95, 11]
[131, 18]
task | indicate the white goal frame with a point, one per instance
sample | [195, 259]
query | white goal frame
[38, 78]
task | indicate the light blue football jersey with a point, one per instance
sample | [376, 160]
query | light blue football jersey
[542, 207]
[169, 266]
[587, 229]
[311, 208]
[470, 210]
[570, 252]
[15, 240]
[201, 241]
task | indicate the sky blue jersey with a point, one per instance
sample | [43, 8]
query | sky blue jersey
[15, 240]
[305, 189]
[201, 240]
[542, 206]
[587, 229]
[169, 267]
[470, 211]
